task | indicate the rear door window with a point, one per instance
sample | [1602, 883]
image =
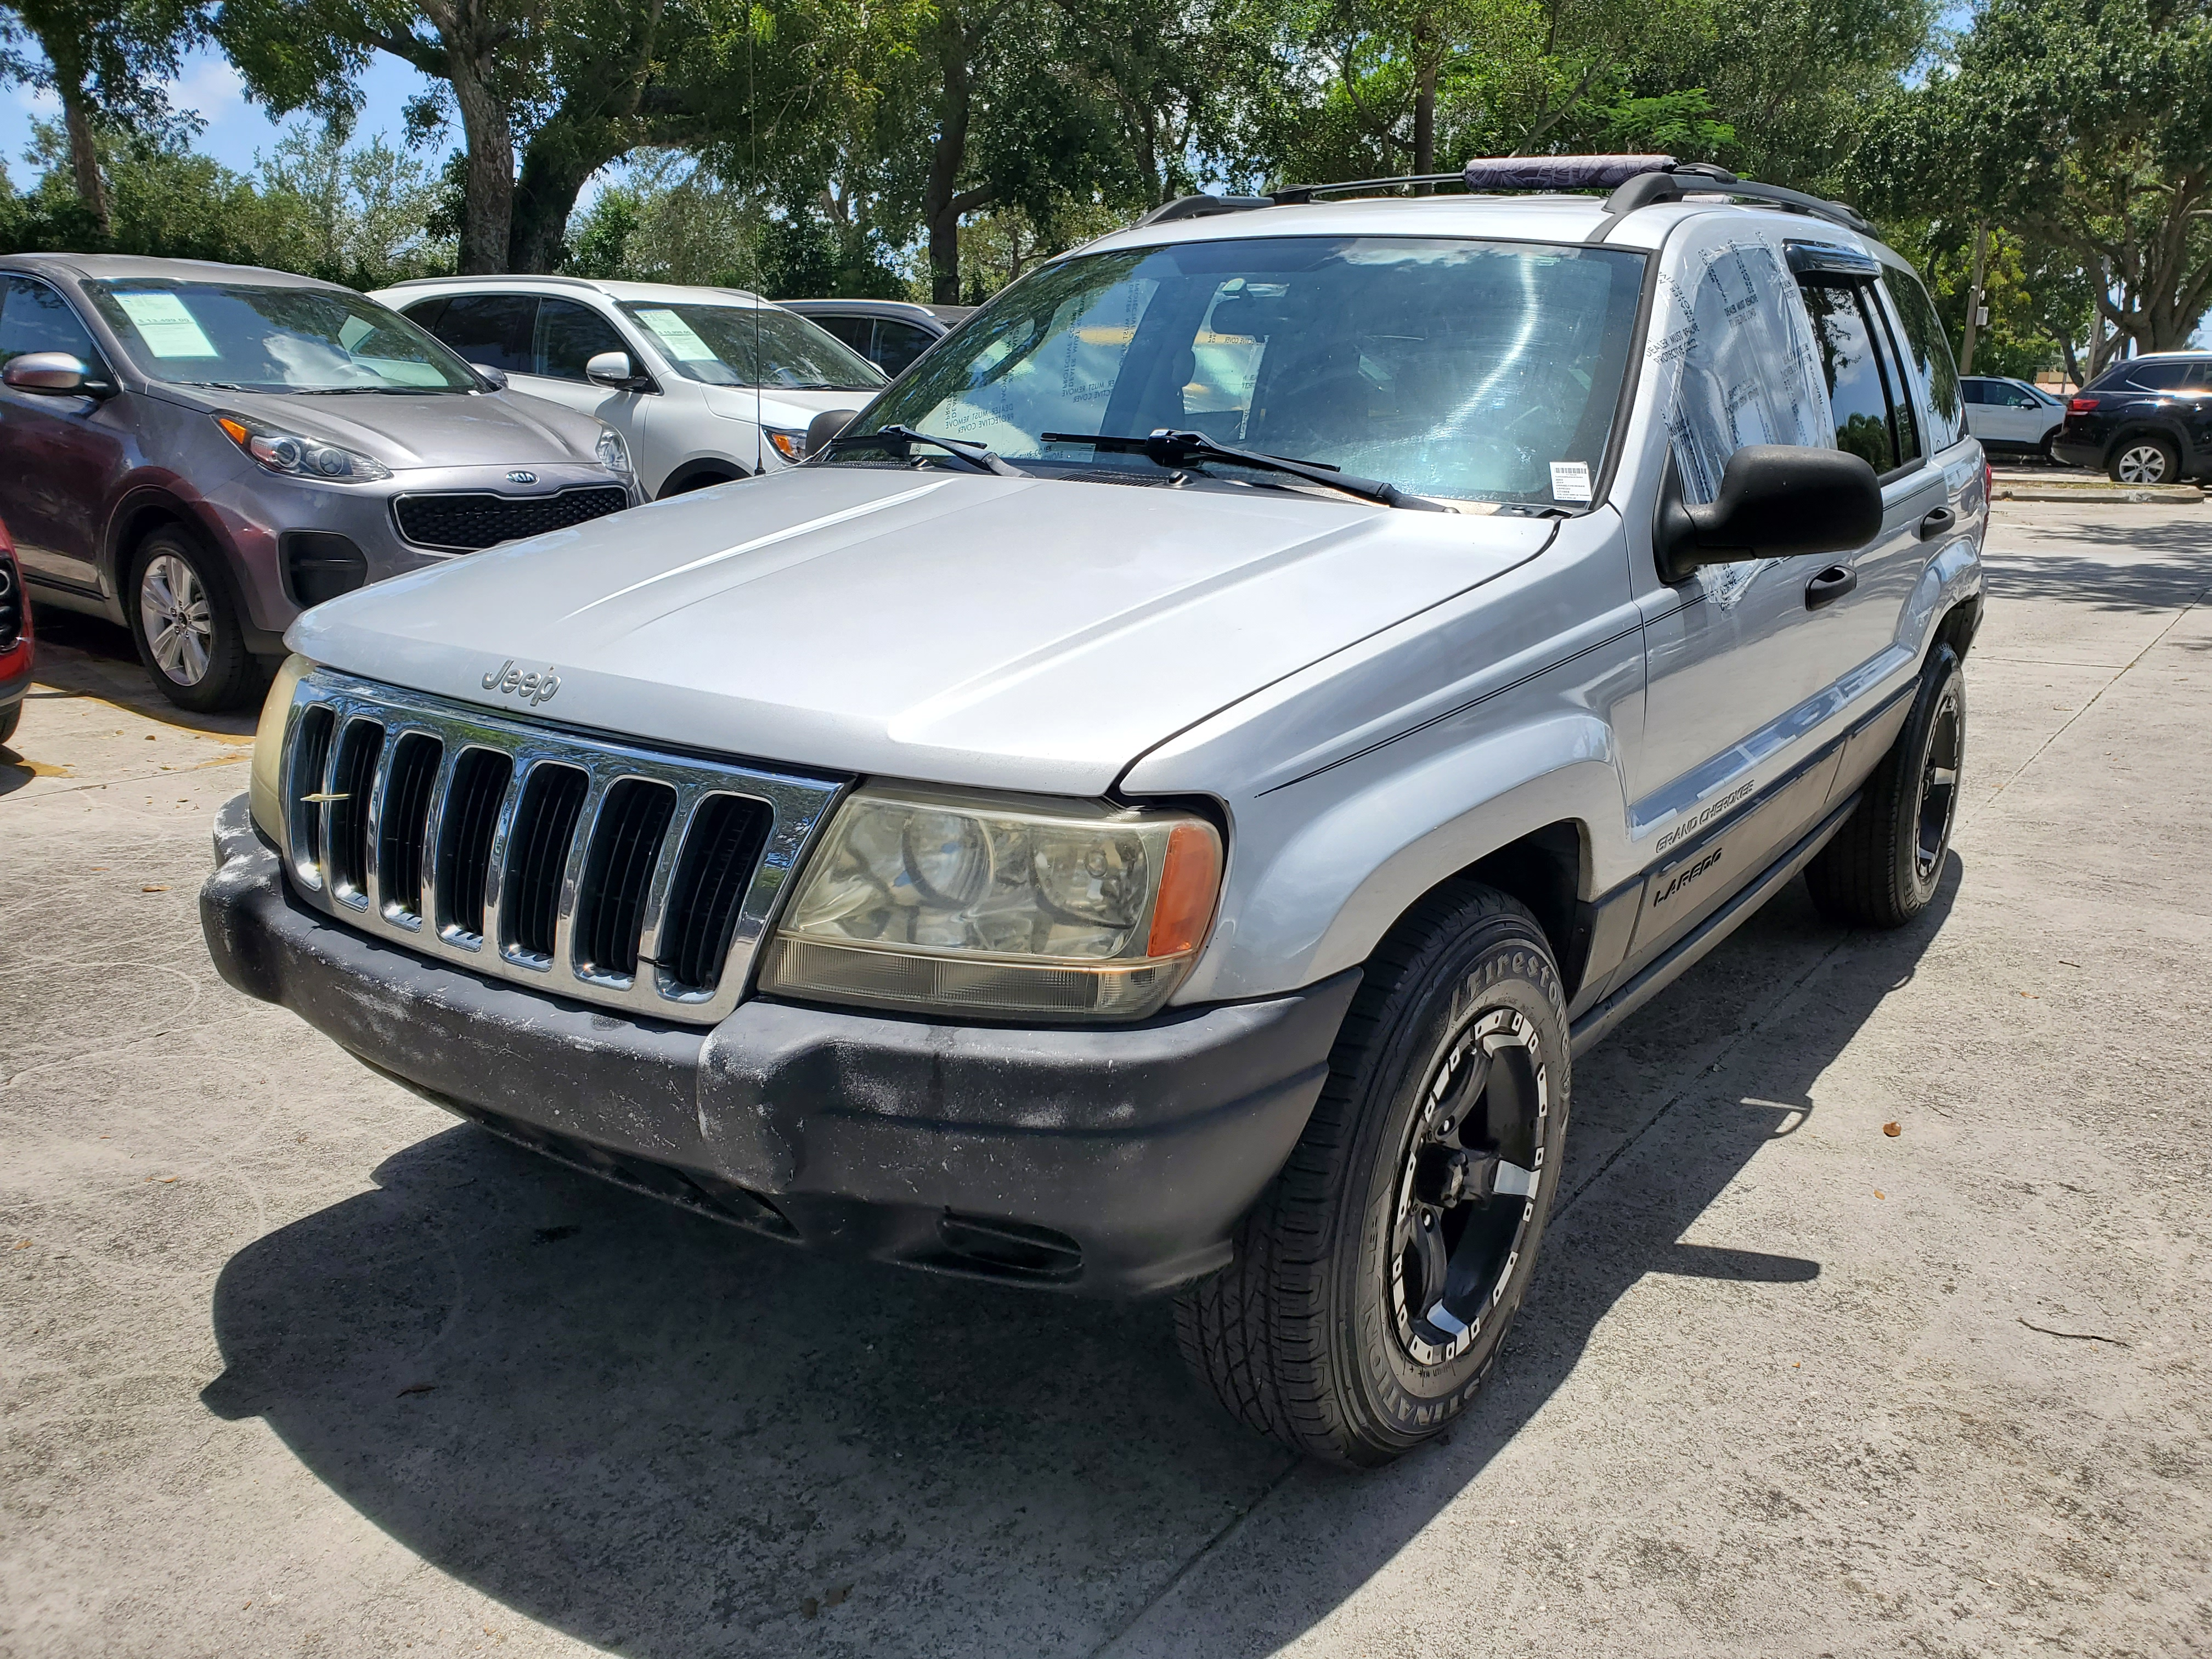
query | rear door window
[897, 345]
[1928, 355]
[568, 337]
[1852, 364]
[492, 330]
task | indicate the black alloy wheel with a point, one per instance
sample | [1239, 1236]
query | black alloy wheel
[1377, 1275]
[1881, 869]
[1467, 1186]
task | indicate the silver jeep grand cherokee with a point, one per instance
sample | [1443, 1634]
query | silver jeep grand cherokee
[1158, 803]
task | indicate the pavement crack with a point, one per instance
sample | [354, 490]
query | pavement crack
[1191, 1565]
[2077, 1336]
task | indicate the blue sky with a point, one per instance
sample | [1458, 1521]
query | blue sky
[235, 129]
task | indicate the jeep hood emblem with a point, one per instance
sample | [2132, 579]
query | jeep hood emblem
[530, 687]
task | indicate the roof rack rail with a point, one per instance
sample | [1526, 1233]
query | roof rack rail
[1636, 182]
[1649, 188]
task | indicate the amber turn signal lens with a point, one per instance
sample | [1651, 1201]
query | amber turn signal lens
[234, 430]
[1189, 884]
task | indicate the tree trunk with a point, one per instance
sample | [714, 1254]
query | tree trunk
[2073, 361]
[1974, 298]
[940, 203]
[554, 173]
[488, 191]
[84, 153]
[1424, 123]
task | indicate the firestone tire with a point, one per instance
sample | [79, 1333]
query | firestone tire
[1376, 1278]
[1884, 865]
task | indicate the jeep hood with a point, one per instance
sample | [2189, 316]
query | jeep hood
[1021, 634]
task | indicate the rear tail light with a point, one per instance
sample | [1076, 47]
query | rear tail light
[2080, 405]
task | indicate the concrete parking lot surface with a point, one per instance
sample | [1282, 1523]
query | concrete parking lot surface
[295, 1364]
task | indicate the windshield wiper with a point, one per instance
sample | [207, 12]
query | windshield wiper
[366, 390]
[225, 386]
[1169, 448]
[904, 438]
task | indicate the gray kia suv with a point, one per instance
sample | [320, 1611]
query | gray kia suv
[200, 452]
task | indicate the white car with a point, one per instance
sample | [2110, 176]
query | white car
[705, 384]
[2011, 416]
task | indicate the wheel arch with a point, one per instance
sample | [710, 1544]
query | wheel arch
[138, 515]
[701, 472]
[1524, 810]
[2143, 426]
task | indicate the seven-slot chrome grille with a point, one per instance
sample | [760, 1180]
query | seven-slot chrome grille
[577, 866]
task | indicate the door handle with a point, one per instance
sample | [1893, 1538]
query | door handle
[1829, 585]
[1936, 523]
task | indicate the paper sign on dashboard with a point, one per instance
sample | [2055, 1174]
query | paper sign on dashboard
[169, 330]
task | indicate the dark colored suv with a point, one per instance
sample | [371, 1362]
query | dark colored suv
[2148, 421]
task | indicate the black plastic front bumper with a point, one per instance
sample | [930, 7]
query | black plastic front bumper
[1111, 1161]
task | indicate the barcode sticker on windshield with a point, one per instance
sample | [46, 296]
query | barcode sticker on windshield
[1571, 481]
[169, 330]
[672, 331]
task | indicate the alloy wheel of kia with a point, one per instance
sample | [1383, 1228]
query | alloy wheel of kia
[1466, 1185]
[2141, 463]
[177, 620]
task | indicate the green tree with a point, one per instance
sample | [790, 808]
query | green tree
[2083, 127]
[105, 60]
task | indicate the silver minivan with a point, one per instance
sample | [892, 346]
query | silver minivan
[200, 452]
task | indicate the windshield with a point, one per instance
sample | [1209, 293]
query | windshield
[273, 339]
[752, 345]
[1475, 371]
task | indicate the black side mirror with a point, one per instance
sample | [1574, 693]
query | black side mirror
[1776, 501]
[57, 374]
[825, 426]
[496, 379]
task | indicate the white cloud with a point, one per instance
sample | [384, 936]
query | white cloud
[38, 100]
[209, 87]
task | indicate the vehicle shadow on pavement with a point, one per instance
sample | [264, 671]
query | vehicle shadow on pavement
[2119, 567]
[668, 1437]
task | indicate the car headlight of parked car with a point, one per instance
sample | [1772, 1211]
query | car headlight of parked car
[792, 445]
[296, 457]
[1008, 907]
[614, 454]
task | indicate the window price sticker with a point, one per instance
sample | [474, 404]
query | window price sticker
[672, 331]
[1571, 481]
[167, 329]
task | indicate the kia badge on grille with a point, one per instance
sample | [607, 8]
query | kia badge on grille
[520, 476]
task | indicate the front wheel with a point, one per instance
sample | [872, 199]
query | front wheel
[186, 626]
[2146, 461]
[1376, 1276]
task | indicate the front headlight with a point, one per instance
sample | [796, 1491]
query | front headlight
[266, 785]
[614, 454]
[295, 457]
[1012, 909]
[792, 445]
